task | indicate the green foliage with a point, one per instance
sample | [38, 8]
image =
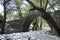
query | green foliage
[22, 9]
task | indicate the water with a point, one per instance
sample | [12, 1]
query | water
[32, 35]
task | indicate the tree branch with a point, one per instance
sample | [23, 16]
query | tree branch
[34, 7]
[46, 16]
[51, 5]
[46, 4]
[30, 3]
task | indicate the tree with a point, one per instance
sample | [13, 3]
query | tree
[4, 17]
[4, 20]
[46, 16]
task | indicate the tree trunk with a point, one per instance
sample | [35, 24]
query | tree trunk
[46, 16]
[35, 25]
[4, 19]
